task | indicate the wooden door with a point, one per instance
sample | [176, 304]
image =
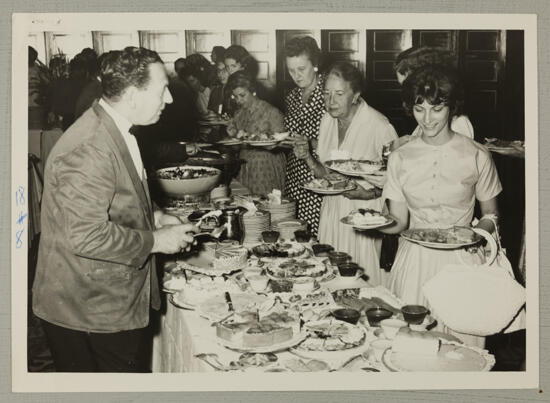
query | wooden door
[170, 45]
[383, 92]
[482, 63]
[202, 41]
[344, 45]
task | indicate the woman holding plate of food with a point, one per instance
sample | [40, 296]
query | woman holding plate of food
[433, 181]
[263, 170]
[305, 107]
[349, 129]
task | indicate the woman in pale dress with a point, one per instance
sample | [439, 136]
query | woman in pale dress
[349, 129]
[433, 181]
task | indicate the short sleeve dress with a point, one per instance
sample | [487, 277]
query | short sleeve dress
[365, 137]
[263, 170]
[304, 119]
[440, 185]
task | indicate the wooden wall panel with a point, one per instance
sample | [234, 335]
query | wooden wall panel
[346, 44]
[383, 92]
[262, 46]
[104, 41]
[202, 41]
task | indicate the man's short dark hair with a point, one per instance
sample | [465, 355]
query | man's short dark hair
[121, 69]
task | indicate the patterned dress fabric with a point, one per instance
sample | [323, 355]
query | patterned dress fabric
[304, 119]
[264, 170]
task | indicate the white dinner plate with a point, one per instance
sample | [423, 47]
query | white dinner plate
[369, 167]
[351, 186]
[265, 349]
[347, 220]
[261, 143]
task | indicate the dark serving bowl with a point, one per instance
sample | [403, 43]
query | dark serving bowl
[321, 250]
[375, 315]
[347, 315]
[270, 236]
[348, 269]
[302, 236]
[414, 314]
[337, 258]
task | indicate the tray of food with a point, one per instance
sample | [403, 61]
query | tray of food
[330, 339]
[353, 167]
[442, 238]
[364, 219]
[295, 269]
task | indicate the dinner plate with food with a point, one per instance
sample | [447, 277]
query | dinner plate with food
[442, 238]
[331, 184]
[504, 146]
[353, 167]
[330, 339]
[364, 219]
[229, 142]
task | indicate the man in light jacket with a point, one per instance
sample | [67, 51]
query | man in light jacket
[96, 277]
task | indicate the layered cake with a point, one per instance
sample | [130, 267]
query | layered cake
[226, 257]
[251, 330]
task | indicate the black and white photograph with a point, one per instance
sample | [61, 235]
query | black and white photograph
[275, 202]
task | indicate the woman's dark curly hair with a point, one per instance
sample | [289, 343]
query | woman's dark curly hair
[121, 69]
[435, 85]
[304, 45]
[245, 59]
[241, 79]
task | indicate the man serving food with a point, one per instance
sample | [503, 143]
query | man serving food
[96, 276]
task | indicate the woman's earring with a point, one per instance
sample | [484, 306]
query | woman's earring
[254, 93]
[315, 69]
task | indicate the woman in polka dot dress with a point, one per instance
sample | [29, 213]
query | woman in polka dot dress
[304, 110]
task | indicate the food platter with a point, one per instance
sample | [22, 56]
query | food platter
[328, 191]
[370, 219]
[296, 339]
[352, 167]
[294, 269]
[439, 238]
[261, 143]
[330, 339]
[453, 357]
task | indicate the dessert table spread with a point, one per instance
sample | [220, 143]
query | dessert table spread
[283, 304]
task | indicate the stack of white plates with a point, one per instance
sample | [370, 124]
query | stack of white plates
[254, 224]
[279, 212]
[286, 227]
